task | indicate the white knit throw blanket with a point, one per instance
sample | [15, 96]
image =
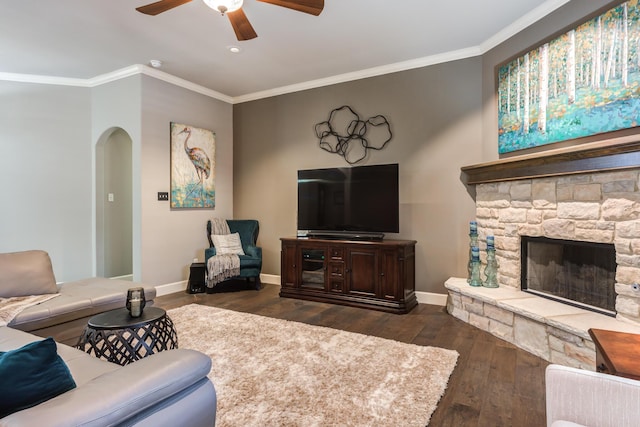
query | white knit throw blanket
[221, 267]
[12, 306]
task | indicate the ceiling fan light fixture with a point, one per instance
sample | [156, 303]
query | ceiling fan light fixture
[224, 6]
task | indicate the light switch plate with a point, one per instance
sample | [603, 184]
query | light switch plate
[163, 195]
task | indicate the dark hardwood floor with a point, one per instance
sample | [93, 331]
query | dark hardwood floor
[494, 383]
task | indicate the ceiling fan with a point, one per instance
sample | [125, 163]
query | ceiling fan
[233, 9]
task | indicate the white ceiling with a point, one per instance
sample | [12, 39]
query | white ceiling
[83, 39]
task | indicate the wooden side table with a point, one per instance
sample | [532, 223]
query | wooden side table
[117, 337]
[617, 353]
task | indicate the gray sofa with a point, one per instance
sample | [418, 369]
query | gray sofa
[169, 388]
[64, 317]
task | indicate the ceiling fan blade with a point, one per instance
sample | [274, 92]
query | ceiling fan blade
[313, 7]
[241, 25]
[160, 6]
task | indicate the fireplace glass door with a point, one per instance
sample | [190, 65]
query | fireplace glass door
[573, 272]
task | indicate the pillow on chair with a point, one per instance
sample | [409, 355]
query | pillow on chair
[227, 244]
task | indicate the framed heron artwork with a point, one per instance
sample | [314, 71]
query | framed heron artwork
[192, 167]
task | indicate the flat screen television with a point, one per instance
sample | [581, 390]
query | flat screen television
[355, 202]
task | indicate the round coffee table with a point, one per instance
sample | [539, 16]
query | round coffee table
[117, 337]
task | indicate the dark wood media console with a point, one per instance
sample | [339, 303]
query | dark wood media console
[369, 274]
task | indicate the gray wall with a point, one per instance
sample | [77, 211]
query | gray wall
[48, 164]
[444, 117]
[171, 239]
[435, 114]
[46, 169]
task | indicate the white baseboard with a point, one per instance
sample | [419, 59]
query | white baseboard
[171, 288]
[273, 279]
[431, 298]
[125, 277]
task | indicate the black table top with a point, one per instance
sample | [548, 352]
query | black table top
[120, 318]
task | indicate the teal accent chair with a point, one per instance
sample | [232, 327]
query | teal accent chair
[251, 262]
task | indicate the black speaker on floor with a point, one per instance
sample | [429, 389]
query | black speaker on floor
[196, 278]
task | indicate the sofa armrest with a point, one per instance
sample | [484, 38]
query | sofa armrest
[120, 395]
[590, 398]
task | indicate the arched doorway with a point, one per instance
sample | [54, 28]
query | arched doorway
[114, 205]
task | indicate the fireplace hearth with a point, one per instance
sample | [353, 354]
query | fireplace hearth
[572, 272]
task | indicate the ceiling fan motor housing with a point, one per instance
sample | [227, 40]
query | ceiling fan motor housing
[224, 6]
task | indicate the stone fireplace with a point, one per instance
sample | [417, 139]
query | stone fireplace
[587, 196]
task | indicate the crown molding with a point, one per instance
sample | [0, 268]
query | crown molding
[160, 75]
[39, 79]
[520, 24]
[362, 74]
[177, 81]
[114, 76]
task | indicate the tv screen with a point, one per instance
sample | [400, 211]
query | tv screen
[357, 199]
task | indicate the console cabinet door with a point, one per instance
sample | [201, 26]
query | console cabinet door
[362, 271]
[289, 266]
[313, 271]
[389, 275]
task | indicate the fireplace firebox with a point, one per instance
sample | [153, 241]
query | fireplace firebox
[573, 272]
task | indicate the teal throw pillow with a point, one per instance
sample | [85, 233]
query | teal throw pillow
[31, 375]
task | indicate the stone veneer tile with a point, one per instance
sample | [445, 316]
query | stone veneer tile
[521, 191]
[459, 313]
[627, 186]
[478, 321]
[501, 330]
[587, 192]
[544, 191]
[496, 313]
[579, 210]
[614, 176]
[620, 210]
[531, 336]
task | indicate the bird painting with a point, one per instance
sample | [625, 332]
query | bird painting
[191, 167]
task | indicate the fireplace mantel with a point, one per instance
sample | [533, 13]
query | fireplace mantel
[615, 154]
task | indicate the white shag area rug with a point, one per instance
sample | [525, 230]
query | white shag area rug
[272, 372]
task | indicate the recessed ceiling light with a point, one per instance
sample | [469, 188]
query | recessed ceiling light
[155, 63]
[234, 49]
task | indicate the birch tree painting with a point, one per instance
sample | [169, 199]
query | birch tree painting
[585, 82]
